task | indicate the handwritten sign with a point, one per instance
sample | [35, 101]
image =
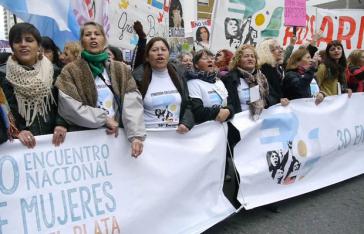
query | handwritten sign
[295, 13]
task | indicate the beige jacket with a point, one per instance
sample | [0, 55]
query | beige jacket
[78, 97]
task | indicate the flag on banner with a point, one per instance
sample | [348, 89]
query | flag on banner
[286, 154]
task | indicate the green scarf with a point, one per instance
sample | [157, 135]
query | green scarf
[95, 61]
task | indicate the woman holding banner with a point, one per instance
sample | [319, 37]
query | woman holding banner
[28, 86]
[331, 73]
[208, 93]
[95, 91]
[246, 84]
[164, 90]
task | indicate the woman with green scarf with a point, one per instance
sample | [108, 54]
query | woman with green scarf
[96, 92]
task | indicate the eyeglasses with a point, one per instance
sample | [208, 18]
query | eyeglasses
[277, 47]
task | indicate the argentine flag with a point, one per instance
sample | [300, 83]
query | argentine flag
[53, 18]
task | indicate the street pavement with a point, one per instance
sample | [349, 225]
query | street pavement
[337, 209]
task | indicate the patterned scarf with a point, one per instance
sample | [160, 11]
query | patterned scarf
[95, 61]
[209, 77]
[32, 88]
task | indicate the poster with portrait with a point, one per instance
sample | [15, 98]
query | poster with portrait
[201, 33]
[176, 21]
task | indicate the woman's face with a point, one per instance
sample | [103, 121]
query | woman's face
[187, 61]
[361, 59]
[204, 35]
[317, 57]
[335, 52]
[305, 61]
[26, 49]
[67, 57]
[248, 60]
[93, 40]
[158, 55]
[274, 159]
[111, 55]
[49, 54]
[232, 27]
[219, 57]
[296, 166]
[277, 52]
[361, 63]
[206, 63]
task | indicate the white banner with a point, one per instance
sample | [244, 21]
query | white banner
[159, 18]
[238, 22]
[346, 26]
[299, 148]
[91, 184]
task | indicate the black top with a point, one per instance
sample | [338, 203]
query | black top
[274, 77]
[297, 85]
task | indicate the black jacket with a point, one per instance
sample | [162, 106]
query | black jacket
[3, 132]
[40, 126]
[296, 85]
[274, 77]
[186, 116]
[203, 114]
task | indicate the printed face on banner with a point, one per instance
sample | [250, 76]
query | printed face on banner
[285, 163]
[241, 22]
[250, 22]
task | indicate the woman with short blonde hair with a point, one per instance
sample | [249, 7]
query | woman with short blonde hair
[270, 59]
[72, 51]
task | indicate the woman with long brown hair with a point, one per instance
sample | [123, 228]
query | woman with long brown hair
[164, 90]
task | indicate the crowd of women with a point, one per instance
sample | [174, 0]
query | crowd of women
[89, 86]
